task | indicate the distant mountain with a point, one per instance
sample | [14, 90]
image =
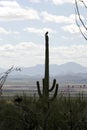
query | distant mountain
[55, 70]
[66, 73]
[68, 68]
[71, 68]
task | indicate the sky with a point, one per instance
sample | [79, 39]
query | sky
[23, 24]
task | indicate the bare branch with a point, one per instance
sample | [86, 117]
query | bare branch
[78, 13]
[79, 26]
[5, 75]
[83, 3]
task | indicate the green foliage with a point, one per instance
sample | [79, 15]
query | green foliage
[17, 116]
[66, 115]
[69, 114]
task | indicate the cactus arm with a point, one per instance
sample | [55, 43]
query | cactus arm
[55, 94]
[38, 88]
[43, 83]
[53, 86]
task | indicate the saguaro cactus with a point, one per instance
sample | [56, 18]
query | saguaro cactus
[46, 90]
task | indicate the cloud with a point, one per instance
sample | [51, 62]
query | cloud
[35, 1]
[58, 19]
[1, 39]
[11, 10]
[22, 54]
[60, 2]
[63, 54]
[67, 38]
[39, 31]
[29, 54]
[7, 32]
[73, 28]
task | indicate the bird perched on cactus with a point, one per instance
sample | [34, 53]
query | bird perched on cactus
[46, 89]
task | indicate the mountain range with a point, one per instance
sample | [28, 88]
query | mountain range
[66, 73]
[55, 70]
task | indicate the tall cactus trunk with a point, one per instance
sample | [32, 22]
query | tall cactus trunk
[46, 77]
[46, 89]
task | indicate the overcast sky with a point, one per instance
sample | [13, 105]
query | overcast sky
[22, 27]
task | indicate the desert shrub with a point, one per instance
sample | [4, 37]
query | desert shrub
[29, 114]
[17, 117]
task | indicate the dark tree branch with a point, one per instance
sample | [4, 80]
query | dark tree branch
[77, 13]
[80, 27]
[83, 3]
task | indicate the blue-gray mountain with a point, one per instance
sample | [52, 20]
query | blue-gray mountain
[70, 72]
[55, 70]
